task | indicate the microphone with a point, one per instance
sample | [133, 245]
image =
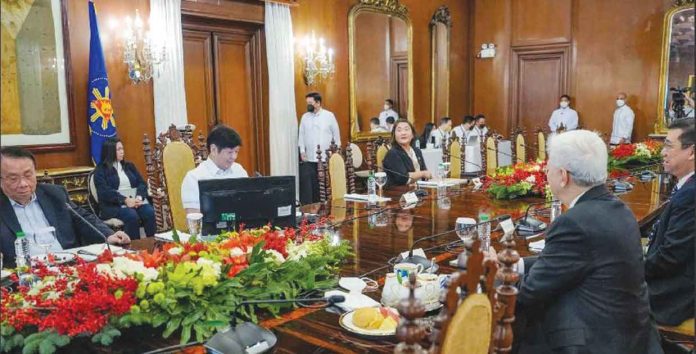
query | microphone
[252, 338]
[91, 226]
[528, 226]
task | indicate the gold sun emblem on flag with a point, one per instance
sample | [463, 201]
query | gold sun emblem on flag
[102, 108]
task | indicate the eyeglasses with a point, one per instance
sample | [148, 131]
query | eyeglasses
[15, 179]
[668, 146]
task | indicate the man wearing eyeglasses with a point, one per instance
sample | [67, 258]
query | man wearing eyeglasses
[669, 262]
[32, 208]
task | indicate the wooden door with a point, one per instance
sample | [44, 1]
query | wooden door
[198, 79]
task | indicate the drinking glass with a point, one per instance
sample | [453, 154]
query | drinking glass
[45, 238]
[446, 169]
[380, 180]
[194, 222]
[465, 228]
[556, 209]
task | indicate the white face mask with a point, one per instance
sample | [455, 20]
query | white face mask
[386, 107]
[620, 103]
[564, 104]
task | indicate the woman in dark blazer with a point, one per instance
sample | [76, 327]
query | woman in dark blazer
[404, 162]
[113, 178]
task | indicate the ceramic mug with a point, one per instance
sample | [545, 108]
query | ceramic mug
[393, 291]
[431, 284]
[403, 270]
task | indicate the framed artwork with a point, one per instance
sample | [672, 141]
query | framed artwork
[36, 109]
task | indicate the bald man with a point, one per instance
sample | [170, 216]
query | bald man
[623, 121]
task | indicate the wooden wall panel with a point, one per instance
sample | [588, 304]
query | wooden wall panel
[198, 79]
[372, 85]
[541, 21]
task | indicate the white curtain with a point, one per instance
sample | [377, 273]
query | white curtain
[281, 88]
[169, 91]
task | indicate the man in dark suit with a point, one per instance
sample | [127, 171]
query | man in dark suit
[29, 208]
[669, 262]
[586, 291]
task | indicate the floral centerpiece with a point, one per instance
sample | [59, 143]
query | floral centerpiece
[188, 288]
[627, 156]
[519, 180]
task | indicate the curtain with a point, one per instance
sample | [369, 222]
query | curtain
[169, 89]
[282, 115]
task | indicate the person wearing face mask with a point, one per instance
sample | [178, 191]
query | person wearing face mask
[564, 115]
[387, 112]
[404, 163]
[319, 127]
[463, 131]
[223, 148]
[480, 128]
[440, 135]
[623, 122]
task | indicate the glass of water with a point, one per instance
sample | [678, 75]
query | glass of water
[380, 180]
[44, 239]
[194, 222]
[446, 169]
[465, 228]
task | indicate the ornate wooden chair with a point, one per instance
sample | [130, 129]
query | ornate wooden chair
[489, 154]
[683, 335]
[336, 174]
[174, 154]
[93, 202]
[541, 144]
[457, 158]
[519, 150]
[476, 316]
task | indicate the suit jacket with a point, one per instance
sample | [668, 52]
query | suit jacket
[586, 291]
[397, 164]
[669, 263]
[106, 182]
[70, 230]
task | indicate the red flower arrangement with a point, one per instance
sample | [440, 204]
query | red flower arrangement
[520, 180]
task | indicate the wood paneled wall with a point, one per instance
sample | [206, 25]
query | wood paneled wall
[612, 46]
[329, 19]
[133, 105]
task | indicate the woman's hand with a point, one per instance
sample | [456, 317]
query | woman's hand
[130, 202]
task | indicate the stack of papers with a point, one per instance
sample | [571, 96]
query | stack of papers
[353, 300]
[167, 236]
[448, 182]
[363, 198]
[537, 246]
[91, 252]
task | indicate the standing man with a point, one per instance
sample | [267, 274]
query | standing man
[669, 262]
[463, 130]
[388, 112]
[480, 128]
[442, 133]
[623, 122]
[318, 127]
[564, 115]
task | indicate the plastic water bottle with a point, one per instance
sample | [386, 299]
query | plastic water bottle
[371, 189]
[555, 209]
[484, 231]
[441, 172]
[21, 245]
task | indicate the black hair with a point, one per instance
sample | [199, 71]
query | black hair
[445, 120]
[469, 119]
[688, 134]
[315, 95]
[390, 120]
[566, 97]
[223, 137]
[393, 132]
[17, 152]
[108, 151]
[426, 134]
[390, 101]
[479, 116]
[374, 120]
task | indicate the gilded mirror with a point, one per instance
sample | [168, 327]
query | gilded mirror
[381, 66]
[677, 72]
[440, 26]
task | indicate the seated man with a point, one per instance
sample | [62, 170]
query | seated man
[30, 208]
[375, 127]
[223, 147]
[669, 262]
[586, 291]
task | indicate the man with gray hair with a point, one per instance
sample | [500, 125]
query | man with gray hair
[586, 291]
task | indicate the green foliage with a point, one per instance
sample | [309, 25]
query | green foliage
[45, 342]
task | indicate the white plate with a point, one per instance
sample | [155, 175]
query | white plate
[346, 321]
[60, 257]
[428, 307]
[352, 284]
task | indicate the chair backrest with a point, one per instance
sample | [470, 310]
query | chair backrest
[520, 147]
[337, 176]
[336, 173]
[456, 158]
[177, 160]
[541, 145]
[470, 327]
[93, 198]
[491, 153]
[357, 155]
[381, 153]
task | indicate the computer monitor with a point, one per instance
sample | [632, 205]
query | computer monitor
[255, 201]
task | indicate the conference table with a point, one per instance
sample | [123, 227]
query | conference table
[377, 235]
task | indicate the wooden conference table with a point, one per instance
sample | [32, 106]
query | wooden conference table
[377, 235]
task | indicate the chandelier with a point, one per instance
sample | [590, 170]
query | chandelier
[318, 59]
[144, 49]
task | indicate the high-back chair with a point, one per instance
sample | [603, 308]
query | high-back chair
[489, 152]
[456, 158]
[93, 202]
[336, 174]
[519, 150]
[541, 144]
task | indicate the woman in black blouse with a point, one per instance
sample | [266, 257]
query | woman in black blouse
[404, 162]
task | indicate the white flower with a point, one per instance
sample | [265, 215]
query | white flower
[531, 179]
[236, 252]
[274, 256]
[175, 251]
[207, 263]
[126, 266]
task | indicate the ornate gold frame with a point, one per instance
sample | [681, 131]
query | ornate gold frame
[441, 15]
[390, 8]
[660, 127]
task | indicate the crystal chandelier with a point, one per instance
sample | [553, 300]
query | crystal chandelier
[318, 60]
[144, 50]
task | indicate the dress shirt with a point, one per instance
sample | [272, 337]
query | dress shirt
[460, 131]
[684, 179]
[379, 129]
[386, 114]
[206, 170]
[317, 129]
[32, 220]
[479, 131]
[623, 124]
[567, 116]
[123, 181]
[439, 135]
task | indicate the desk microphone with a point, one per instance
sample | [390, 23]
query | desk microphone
[86, 222]
[251, 338]
[528, 226]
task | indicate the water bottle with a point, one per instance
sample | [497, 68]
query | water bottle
[555, 209]
[21, 245]
[441, 171]
[484, 231]
[371, 189]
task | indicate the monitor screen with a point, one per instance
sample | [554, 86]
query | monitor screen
[255, 202]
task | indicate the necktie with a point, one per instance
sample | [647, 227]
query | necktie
[653, 230]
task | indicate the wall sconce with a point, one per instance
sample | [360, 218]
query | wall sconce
[318, 61]
[487, 51]
[143, 50]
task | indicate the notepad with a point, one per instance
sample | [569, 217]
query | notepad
[363, 198]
